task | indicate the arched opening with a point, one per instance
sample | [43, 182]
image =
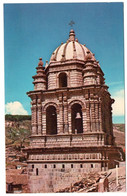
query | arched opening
[51, 120]
[63, 80]
[76, 118]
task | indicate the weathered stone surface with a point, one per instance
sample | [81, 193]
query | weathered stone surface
[72, 130]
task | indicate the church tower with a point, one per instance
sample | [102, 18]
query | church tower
[72, 131]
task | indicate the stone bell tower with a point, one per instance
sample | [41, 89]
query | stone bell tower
[72, 129]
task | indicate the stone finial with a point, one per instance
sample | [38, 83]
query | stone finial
[72, 35]
[46, 65]
[88, 55]
[40, 62]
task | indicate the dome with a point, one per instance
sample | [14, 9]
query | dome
[72, 50]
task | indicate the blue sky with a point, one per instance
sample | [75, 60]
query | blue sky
[35, 30]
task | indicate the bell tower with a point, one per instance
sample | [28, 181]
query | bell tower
[72, 130]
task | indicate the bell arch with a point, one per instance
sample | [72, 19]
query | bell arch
[76, 118]
[50, 104]
[78, 102]
[51, 120]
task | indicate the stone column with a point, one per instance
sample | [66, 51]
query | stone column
[68, 84]
[57, 81]
[34, 125]
[61, 117]
[88, 116]
[69, 121]
[58, 122]
[34, 117]
[44, 122]
[92, 117]
[84, 117]
[100, 116]
[66, 117]
[97, 116]
[32, 121]
[39, 117]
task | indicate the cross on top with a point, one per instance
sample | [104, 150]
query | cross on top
[71, 23]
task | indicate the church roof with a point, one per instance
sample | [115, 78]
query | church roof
[72, 50]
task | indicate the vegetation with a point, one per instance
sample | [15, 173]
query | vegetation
[17, 118]
[17, 137]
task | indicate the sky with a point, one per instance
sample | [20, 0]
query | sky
[36, 30]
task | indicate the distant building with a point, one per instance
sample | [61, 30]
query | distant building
[72, 129]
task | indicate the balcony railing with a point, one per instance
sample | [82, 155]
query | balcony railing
[83, 140]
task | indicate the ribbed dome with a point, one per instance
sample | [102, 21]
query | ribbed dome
[72, 50]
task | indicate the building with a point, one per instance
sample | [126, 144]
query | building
[72, 129]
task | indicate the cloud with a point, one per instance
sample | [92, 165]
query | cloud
[15, 108]
[118, 106]
[115, 83]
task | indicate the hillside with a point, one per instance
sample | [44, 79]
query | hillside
[17, 130]
[119, 134]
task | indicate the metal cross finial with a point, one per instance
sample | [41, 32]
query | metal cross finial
[71, 23]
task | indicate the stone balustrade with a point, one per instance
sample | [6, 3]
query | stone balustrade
[77, 140]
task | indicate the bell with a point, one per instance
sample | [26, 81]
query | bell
[78, 115]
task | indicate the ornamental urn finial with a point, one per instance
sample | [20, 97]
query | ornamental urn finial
[40, 62]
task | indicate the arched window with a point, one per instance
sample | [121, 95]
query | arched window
[63, 80]
[76, 118]
[51, 120]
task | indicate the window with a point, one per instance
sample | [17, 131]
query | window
[54, 166]
[45, 166]
[71, 165]
[81, 166]
[32, 166]
[91, 165]
[36, 171]
[63, 166]
[62, 80]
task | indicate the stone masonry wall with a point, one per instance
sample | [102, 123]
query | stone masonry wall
[57, 175]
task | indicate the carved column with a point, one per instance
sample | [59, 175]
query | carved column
[39, 117]
[58, 122]
[88, 116]
[92, 117]
[69, 121]
[66, 126]
[100, 115]
[43, 122]
[84, 120]
[32, 121]
[34, 117]
[61, 118]
[97, 116]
